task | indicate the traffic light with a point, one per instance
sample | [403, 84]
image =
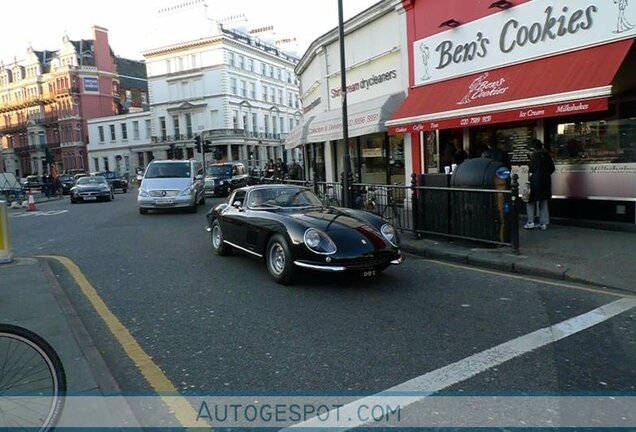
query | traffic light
[207, 146]
[171, 152]
[197, 143]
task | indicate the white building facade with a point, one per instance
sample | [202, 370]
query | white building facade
[120, 143]
[377, 82]
[236, 92]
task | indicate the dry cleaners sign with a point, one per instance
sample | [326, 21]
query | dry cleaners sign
[527, 31]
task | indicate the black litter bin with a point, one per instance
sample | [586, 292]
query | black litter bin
[481, 215]
[434, 205]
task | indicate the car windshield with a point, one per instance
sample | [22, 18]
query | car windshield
[283, 197]
[108, 175]
[168, 170]
[91, 181]
[219, 170]
[66, 178]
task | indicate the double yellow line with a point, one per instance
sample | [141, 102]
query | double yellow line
[178, 405]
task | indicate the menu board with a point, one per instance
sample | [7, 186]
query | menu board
[516, 142]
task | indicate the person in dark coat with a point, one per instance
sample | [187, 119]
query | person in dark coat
[541, 169]
[460, 153]
[495, 153]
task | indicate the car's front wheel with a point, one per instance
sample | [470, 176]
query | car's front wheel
[219, 247]
[279, 260]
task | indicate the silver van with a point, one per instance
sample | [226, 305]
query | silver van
[172, 184]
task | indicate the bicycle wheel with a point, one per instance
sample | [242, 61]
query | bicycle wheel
[32, 380]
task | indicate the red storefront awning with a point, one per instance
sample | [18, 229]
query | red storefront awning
[576, 82]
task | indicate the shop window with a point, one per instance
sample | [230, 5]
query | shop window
[373, 159]
[396, 159]
[598, 141]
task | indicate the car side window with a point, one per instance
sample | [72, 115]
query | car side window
[234, 171]
[238, 196]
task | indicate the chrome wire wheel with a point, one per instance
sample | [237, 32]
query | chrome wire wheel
[277, 259]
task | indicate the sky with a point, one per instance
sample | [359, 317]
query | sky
[134, 25]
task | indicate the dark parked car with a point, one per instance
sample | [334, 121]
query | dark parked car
[67, 181]
[91, 188]
[115, 180]
[33, 181]
[291, 229]
[221, 179]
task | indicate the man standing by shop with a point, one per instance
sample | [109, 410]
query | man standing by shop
[495, 153]
[540, 170]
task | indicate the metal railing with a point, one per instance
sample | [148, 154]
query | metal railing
[487, 216]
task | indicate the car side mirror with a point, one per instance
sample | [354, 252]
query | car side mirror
[237, 204]
[199, 177]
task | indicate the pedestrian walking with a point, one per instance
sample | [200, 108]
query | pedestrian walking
[540, 170]
[293, 170]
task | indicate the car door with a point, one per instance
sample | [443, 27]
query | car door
[233, 220]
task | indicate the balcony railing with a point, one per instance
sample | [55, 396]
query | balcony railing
[30, 148]
[13, 127]
[226, 133]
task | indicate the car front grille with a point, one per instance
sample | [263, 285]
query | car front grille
[163, 193]
[363, 263]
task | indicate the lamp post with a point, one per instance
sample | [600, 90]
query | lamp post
[346, 162]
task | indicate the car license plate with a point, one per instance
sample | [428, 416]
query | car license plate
[164, 201]
[368, 273]
[90, 198]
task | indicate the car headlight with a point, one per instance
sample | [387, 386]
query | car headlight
[388, 232]
[105, 189]
[143, 193]
[221, 183]
[319, 242]
[186, 192]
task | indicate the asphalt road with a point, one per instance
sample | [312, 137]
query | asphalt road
[219, 324]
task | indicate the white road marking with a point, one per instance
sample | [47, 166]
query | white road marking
[447, 376]
[38, 213]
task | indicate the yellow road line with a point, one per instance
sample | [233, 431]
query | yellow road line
[179, 406]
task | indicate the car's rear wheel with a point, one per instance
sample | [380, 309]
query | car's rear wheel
[219, 247]
[279, 260]
[143, 211]
[124, 190]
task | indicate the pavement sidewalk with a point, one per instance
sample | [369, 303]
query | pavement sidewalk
[31, 297]
[592, 256]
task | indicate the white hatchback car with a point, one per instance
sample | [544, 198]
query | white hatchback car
[172, 184]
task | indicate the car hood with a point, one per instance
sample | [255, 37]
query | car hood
[218, 177]
[166, 184]
[329, 219]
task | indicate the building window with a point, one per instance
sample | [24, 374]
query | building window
[278, 74]
[113, 136]
[135, 130]
[106, 166]
[124, 132]
[291, 124]
[101, 133]
[231, 58]
[274, 125]
[244, 88]
[241, 61]
[96, 163]
[127, 163]
[128, 95]
[245, 121]
[148, 130]
[263, 69]
[177, 132]
[162, 125]
[282, 125]
[250, 65]
[150, 156]
[290, 100]
[235, 119]
[264, 93]
[273, 95]
[271, 71]
[254, 123]
[233, 86]
[253, 90]
[193, 61]
[266, 121]
[280, 97]
[144, 97]
[188, 120]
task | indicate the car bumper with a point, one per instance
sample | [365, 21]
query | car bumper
[217, 190]
[167, 202]
[94, 196]
[351, 265]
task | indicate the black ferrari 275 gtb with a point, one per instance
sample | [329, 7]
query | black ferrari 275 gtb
[290, 228]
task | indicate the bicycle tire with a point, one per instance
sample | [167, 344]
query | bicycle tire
[29, 340]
